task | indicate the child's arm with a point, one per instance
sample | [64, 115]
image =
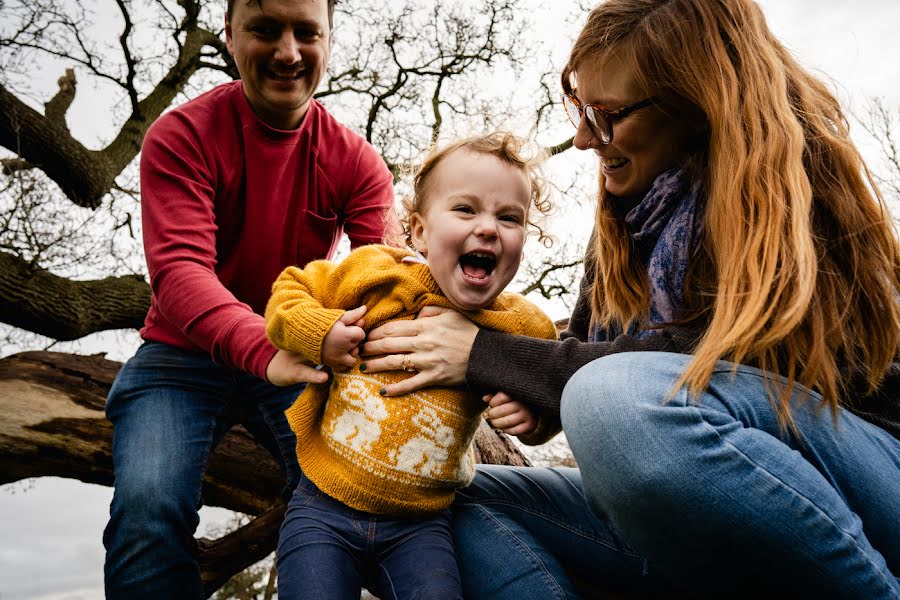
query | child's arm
[297, 321]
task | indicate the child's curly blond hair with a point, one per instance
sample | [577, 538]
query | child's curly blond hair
[509, 148]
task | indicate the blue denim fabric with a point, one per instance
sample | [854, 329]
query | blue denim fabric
[167, 407]
[328, 551]
[526, 533]
[718, 498]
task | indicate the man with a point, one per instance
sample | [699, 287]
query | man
[237, 184]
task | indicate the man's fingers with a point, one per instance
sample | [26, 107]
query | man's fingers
[305, 373]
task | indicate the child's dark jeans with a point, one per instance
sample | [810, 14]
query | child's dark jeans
[329, 551]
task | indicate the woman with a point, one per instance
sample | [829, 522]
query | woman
[727, 382]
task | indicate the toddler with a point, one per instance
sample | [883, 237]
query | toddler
[379, 473]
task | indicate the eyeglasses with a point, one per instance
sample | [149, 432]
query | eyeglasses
[600, 121]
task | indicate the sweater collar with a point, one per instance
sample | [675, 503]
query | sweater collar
[258, 127]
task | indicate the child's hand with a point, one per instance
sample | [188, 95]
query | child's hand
[340, 347]
[509, 416]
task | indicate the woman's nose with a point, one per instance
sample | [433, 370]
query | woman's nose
[584, 137]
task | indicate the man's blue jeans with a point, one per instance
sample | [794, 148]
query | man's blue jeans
[166, 406]
[704, 496]
[329, 551]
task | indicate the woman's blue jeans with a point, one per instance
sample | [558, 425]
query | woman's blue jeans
[329, 551]
[167, 410]
[703, 496]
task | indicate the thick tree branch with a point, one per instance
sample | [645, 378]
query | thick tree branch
[63, 309]
[84, 175]
[54, 425]
[122, 150]
[240, 549]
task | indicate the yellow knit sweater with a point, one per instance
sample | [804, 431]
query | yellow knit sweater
[404, 454]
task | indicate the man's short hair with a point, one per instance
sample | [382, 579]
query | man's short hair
[230, 9]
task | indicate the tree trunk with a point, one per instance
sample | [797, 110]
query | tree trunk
[54, 425]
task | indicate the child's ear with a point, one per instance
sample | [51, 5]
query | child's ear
[417, 233]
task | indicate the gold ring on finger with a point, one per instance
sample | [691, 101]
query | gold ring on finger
[406, 364]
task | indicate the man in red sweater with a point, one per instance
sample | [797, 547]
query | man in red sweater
[236, 185]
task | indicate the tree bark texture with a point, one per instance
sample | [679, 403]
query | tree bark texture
[66, 309]
[54, 425]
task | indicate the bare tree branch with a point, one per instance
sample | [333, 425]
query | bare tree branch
[55, 109]
[550, 289]
[14, 165]
[559, 148]
[63, 309]
[884, 125]
[129, 58]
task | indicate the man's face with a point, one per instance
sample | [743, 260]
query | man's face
[281, 49]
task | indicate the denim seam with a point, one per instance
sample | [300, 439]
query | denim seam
[534, 558]
[763, 376]
[797, 493]
[208, 451]
[546, 516]
[389, 582]
[285, 458]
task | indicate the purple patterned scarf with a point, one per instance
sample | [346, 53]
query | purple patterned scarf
[665, 228]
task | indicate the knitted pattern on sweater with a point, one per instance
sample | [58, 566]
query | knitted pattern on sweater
[384, 455]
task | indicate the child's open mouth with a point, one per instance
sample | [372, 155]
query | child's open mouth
[477, 267]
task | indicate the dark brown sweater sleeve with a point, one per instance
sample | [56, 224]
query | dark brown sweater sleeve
[881, 408]
[535, 371]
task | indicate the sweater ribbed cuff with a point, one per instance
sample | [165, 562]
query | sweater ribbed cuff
[305, 335]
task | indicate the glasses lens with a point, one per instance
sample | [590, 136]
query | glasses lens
[599, 124]
[571, 110]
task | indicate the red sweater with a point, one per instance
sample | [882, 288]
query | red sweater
[228, 203]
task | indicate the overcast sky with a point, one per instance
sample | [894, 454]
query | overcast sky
[50, 530]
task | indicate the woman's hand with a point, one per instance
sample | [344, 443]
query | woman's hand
[436, 344]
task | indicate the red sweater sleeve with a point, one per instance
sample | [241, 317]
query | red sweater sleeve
[179, 227]
[228, 203]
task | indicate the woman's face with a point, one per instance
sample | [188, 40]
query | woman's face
[645, 143]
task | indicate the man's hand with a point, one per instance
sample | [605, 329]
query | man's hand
[340, 348]
[287, 368]
[509, 416]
